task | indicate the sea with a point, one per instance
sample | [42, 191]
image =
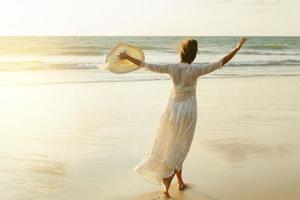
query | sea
[80, 59]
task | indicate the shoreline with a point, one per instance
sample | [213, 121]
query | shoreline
[149, 77]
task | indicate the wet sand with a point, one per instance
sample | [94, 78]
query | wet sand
[82, 141]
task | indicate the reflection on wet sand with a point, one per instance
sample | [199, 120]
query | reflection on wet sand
[235, 149]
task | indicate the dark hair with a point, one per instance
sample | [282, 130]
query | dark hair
[188, 50]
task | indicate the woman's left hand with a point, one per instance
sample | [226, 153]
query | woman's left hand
[123, 55]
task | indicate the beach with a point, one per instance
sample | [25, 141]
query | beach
[82, 140]
[75, 124]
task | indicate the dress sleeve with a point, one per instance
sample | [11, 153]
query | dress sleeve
[155, 67]
[202, 70]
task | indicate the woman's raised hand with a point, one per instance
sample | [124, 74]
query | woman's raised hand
[229, 56]
[242, 42]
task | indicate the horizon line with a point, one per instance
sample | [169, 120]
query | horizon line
[83, 35]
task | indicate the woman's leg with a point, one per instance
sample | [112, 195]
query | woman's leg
[167, 183]
[182, 185]
[179, 177]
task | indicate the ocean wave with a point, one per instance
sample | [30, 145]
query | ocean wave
[55, 52]
[95, 50]
[36, 65]
[156, 47]
[249, 50]
[269, 46]
[275, 53]
[286, 62]
[103, 52]
[81, 53]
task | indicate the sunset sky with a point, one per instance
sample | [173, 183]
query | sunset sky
[150, 17]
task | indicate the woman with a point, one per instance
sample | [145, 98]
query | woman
[174, 136]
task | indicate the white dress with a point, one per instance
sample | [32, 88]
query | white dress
[177, 124]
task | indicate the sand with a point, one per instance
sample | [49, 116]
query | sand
[82, 141]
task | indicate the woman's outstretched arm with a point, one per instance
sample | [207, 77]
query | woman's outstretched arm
[227, 58]
[200, 71]
[147, 66]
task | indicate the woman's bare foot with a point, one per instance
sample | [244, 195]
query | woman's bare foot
[167, 183]
[183, 186]
[167, 195]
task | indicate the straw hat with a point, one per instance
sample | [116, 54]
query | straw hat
[118, 66]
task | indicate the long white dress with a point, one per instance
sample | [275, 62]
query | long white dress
[175, 131]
